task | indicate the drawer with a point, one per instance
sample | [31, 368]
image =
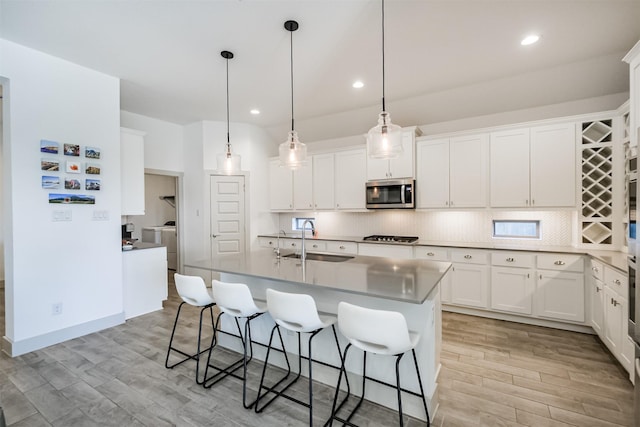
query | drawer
[513, 259]
[470, 256]
[432, 253]
[342, 247]
[268, 242]
[290, 243]
[315, 245]
[617, 281]
[386, 251]
[561, 262]
[597, 270]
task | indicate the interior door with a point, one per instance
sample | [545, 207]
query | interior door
[227, 215]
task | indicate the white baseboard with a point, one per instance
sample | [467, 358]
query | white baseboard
[18, 348]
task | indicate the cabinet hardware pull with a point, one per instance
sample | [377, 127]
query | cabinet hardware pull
[559, 263]
[595, 269]
[617, 282]
[430, 254]
[451, 203]
[541, 277]
[527, 275]
[510, 260]
[293, 244]
[342, 247]
[526, 202]
[446, 203]
[533, 202]
[597, 289]
[614, 302]
[315, 246]
[270, 243]
[468, 257]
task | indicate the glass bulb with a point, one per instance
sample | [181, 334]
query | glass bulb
[228, 162]
[293, 153]
[384, 141]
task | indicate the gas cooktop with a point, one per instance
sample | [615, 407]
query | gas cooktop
[392, 239]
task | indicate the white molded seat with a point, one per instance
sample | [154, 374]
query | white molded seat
[379, 332]
[297, 313]
[193, 291]
[235, 300]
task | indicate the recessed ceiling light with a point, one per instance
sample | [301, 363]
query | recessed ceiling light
[255, 112]
[530, 39]
[357, 84]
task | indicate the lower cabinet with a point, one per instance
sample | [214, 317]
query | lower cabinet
[387, 251]
[615, 318]
[560, 295]
[437, 253]
[597, 306]
[470, 278]
[512, 289]
[145, 282]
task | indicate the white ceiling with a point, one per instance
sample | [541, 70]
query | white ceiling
[445, 60]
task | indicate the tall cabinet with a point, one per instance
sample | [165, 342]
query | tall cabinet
[132, 171]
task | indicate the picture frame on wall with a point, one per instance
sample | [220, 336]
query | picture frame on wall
[49, 147]
[92, 152]
[92, 169]
[50, 165]
[92, 184]
[72, 184]
[71, 150]
[73, 167]
[72, 199]
[49, 181]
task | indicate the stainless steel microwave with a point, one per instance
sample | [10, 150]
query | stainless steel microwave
[391, 194]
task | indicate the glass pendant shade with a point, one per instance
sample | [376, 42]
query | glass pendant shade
[228, 162]
[293, 153]
[384, 141]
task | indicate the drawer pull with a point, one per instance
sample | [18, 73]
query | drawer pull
[270, 243]
[510, 260]
[342, 247]
[559, 263]
[430, 254]
[595, 269]
[315, 246]
[598, 289]
[468, 257]
[614, 302]
[293, 245]
[617, 282]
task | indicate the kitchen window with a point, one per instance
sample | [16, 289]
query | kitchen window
[516, 229]
[296, 223]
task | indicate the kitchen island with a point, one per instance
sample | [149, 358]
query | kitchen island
[408, 286]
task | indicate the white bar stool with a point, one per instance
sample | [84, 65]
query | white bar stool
[297, 313]
[379, 332]
[235, 300]
[194, 292]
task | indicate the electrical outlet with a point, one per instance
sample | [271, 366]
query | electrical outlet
[56, 308]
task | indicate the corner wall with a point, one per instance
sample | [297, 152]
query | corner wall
[75, 263]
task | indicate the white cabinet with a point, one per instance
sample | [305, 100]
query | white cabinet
[323, 181]
[615, 315]
[597, 298]
[340, 247]
[400, 167]
[533, 167]
[452, 172]
[280, 187]
[470, 278]
[633, 59]
[386, 251]
[560, 287]
[351, 176]
[145, 282]
[437, 253]
[132, 171]
[512, 282]
[303, 187]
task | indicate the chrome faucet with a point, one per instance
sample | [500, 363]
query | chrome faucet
[303, 255]
[277, 248]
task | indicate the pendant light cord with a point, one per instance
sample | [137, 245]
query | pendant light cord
[291, 60]
[383, 103]
[228, 140]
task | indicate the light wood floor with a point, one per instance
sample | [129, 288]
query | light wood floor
[494, 373]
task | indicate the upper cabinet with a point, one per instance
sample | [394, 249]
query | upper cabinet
[323, 181]
[402, 166]
[534, 167]
[451, 173]
[351, 175]
[280, 187]
[303, 187]
[633, 59]
[132, 171]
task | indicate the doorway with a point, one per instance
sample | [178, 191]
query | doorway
[227, 214]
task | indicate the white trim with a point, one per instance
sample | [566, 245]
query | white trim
[27, 345]
[631, 55]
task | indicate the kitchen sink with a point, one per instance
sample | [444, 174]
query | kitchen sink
[322, 257]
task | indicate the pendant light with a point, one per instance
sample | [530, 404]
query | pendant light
[293, 153]
[228, 162]
[384, 141]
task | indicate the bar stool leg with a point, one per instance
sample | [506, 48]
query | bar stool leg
[398, 389]
[424, 399]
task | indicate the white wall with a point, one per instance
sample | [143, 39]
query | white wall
[163, 142]
[156, 211]
[77, 263]
[1, 194]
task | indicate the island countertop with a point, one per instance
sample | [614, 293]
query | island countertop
[406, 280]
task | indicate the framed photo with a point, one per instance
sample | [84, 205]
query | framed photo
[49, 147]
[71, 184]
[71, 150]
[92, 169]
[50, 165]
[92, 152]
[50, 181]
[72, 199]
[92, 184]
[73, 167]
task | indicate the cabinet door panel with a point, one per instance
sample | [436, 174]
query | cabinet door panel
[403, 165]
[512, 289]
[351, 176]
[470, 285]
[303, 187]
[132, 172]
[560, 295]
[377, 169]
[509, 163]
[468, 171]
[280, 187]
[323, 181]
[553, 165]
[615, 315]
[432, 184]
[597, 306]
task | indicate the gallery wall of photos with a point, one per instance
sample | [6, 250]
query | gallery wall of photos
[70, 170]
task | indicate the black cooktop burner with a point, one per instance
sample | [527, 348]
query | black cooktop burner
[396, 239]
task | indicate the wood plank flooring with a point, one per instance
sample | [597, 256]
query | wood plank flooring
[494, 373]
